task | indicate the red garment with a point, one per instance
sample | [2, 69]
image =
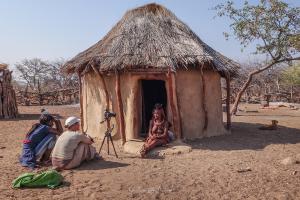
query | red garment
[156, 137]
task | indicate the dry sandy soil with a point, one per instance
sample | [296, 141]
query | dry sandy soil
[210, 171]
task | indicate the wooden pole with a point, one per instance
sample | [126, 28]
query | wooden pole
[120, 109]
[81, 101]
[106, 95]
[228, 102]
[5, 103]
[173, 78]
[174, 103]
[204, 101]
[104, 86]
[1, 104]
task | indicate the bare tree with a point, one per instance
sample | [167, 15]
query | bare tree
[44, 77]
[262, 85]
[34, 72]
[56, 79]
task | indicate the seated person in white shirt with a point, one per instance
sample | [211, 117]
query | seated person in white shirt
[72, 147]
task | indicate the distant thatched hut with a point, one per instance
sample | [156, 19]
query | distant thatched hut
[151, 56]
[8, 104]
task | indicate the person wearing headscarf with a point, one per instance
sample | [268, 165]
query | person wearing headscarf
[158, 134]
[72, 147]
[40, 140]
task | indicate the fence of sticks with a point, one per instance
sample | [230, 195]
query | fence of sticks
[57, 97]
[8, 104]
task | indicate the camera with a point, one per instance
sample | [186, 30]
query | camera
[108, 114]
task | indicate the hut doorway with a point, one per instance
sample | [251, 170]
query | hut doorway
[153, 91]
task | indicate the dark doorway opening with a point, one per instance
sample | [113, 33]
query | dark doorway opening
[153, 91]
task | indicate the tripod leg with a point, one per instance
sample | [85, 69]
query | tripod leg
[113, 146]
[107, 145]
[102, 144]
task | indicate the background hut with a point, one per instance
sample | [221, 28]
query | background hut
[8, 104]
[150, 56]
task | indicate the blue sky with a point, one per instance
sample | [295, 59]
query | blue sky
[51, 29]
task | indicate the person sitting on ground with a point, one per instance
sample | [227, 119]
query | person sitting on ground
[39, 141]
[72, 147]
[158, 133]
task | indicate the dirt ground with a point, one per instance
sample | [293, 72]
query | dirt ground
[210, 171]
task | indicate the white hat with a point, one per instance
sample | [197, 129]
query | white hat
[71, 121]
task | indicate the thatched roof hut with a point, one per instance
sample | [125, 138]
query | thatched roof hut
[151, 43]
[150, 37]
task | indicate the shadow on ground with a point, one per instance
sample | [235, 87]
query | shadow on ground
[247, 136]
[101, 164]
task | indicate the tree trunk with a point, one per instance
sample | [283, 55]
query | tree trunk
[246, 84]
[40, 93]
[240, 93]
[278, 85]
[292, 90]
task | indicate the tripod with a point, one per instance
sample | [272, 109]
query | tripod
[108, 136]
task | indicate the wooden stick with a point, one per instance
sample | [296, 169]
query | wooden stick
[105, 90]
[228, 102]
[14, 104]
[204, 101]
[120, 109]
[173, 78]
[104, 85]
[4, 93]
[81, 101]
[173, 104]
[1, 105]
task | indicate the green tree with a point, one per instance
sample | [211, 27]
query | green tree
[291, 78]
[272, 24]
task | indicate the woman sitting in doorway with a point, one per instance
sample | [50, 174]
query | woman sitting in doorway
[40, 140]
[158, 134]
[72, 147]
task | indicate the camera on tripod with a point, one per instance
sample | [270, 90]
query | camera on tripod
[107, 135]
[108, 115]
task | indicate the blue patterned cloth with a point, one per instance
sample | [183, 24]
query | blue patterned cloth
[35, 145]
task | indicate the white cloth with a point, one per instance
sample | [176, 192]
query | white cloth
[67, 143]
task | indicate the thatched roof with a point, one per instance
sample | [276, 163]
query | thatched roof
[150, 38]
